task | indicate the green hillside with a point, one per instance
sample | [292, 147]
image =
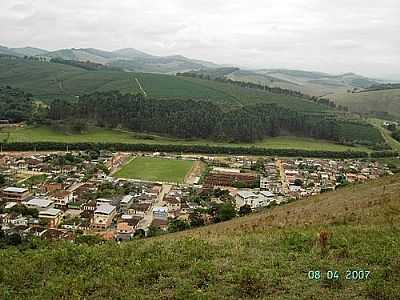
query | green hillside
[383, 101]
[268, 255]
[95, 135]
[47, 81]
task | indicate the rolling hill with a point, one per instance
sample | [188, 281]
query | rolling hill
[310, 83]
[380, 103]
[48, 81]
[268, 255]
[132, 60]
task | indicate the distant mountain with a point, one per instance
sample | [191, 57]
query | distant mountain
[7, 51]
[131, 53]
[133, 60]
[20, 52]
[29, 51]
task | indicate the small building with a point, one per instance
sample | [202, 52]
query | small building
[62, 198]
[101, 201]
[103, 216]
[254, 199]
[51, 216]
[52, 187]
[125, 231]
[126, 201]
[160, 213]
[15, 194]
[160, 223]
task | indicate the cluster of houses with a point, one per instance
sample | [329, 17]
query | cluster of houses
[305, 177]
[77, 193]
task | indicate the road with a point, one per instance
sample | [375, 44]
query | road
[386, 134]
[285, 185]
[148, 217]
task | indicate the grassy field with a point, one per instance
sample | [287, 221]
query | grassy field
[262, 256]
[383, 101]
[155, 169]
[96, 135]
[48, 81]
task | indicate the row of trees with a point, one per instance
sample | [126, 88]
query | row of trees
[206, 149]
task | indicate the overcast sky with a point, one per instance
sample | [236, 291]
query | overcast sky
[338, 36]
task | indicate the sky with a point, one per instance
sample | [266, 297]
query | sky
[361, 36]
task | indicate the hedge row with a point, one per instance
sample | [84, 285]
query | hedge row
[45, 146]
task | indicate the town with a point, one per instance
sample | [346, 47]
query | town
[62, 195]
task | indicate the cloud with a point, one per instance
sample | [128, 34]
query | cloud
[330, 36]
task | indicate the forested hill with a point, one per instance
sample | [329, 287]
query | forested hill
[203, 119]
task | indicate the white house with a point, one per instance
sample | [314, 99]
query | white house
[254, 199]
[103, 216]
[62, 198]
[160, 213]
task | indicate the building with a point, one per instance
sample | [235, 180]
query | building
[51, 216]
[103, 216]
[218, 178]
[126, 201]
[254, 199]
[52, 187]
[39, 203]
[160, 213]
[62, 198]
[125, 231]
[15, 194]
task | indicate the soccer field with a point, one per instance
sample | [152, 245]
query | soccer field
[156, 169]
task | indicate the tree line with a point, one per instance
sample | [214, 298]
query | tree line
[201, 149]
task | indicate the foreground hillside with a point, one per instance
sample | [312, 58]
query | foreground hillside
[263, 256]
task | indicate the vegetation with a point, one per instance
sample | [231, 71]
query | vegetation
[95, 134]
[48, 81]
[267, 255]
[43, 146]
[87, 65]
[156, 169]
[381, 103]
[200, 119]
[15, 105]
[390, 137]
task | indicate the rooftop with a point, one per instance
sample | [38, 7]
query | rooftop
[126, 199]
[52, 212]
[106, 209]
[15, 190]
[39, 202]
